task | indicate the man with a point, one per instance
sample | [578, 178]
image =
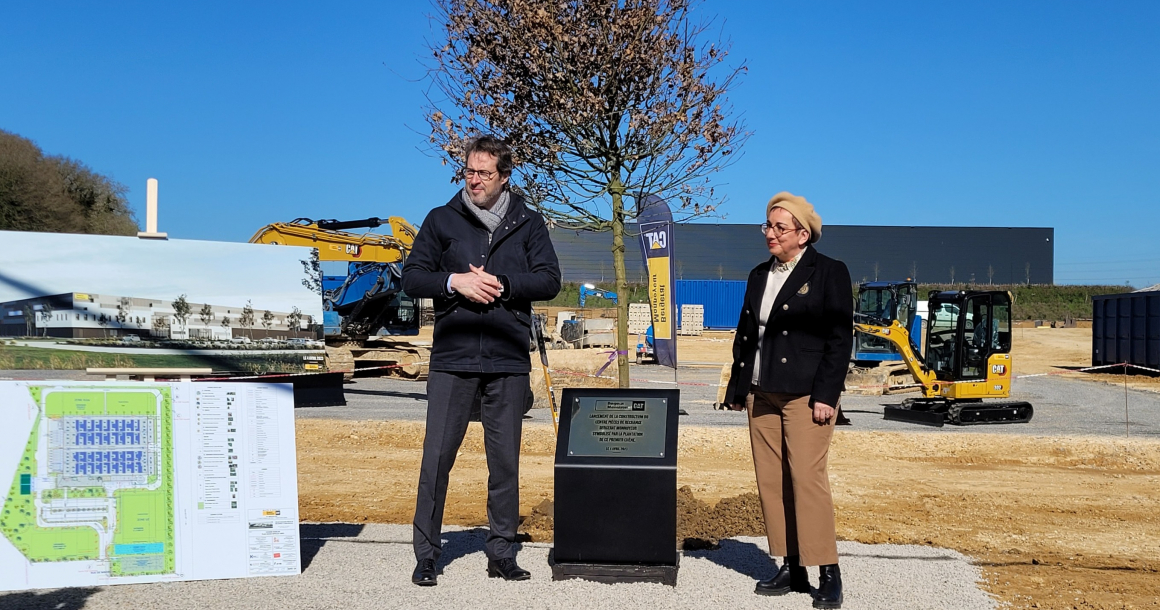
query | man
[483, 257]
[790, 357]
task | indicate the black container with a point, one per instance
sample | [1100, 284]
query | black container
[1126, 329]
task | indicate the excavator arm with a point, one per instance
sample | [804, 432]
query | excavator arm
[896, 334]
[335, 244]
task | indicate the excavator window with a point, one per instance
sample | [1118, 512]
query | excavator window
[940, 339]
[981, 334]
[1001, 309]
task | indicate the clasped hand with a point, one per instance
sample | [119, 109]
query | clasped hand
[477, 286]
[822, 411]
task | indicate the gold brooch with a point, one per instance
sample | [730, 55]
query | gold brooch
[805, 289]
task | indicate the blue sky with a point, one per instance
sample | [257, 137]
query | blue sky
[982, 114]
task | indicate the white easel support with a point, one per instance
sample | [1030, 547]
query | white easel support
[150, 231]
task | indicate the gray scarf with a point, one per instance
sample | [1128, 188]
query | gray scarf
[490, 218]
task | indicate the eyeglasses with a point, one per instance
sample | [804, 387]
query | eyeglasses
[778, 229]
[483, 174]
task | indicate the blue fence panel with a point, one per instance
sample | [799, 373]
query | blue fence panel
[721, 298]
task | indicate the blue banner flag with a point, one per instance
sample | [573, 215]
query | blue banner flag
[655, 221]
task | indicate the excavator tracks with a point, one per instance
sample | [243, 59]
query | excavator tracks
[939, 413]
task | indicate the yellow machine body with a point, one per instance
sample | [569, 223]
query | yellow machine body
[997, 383]
[336, 245]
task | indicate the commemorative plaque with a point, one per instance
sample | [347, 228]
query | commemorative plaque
[616, 486]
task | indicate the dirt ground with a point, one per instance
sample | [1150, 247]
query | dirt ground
[1054, 522]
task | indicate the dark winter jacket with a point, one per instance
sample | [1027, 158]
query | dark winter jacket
[808, 336]
[472, 337]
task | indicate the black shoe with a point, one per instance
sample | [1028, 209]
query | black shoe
[829, 593]
[506, 569]
[424, 574]
[791, 577]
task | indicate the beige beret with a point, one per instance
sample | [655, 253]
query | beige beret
[801, 209]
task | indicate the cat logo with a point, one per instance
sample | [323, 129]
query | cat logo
[999, 369]
[354, 250]
[657, 240]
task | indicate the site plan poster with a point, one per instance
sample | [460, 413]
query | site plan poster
[122, 482]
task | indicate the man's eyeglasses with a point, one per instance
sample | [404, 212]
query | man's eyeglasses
[778, 229]
[483, 174]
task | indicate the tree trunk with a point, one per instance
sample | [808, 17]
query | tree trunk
[617, 190]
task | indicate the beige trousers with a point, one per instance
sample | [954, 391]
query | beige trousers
[789, 456]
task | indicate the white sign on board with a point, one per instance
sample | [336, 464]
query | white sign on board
[119, 482]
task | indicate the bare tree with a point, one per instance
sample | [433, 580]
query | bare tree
[599, 100]
[294, 320]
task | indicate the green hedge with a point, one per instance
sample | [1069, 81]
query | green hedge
[1034, 302]
[1041, 301]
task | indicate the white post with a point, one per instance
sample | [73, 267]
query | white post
[151, 212]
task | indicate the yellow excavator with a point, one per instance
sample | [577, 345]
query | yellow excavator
[335, 244]
[364, 308]
[966, 371]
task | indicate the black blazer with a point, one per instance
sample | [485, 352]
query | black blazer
[472, 337]
[809, 334]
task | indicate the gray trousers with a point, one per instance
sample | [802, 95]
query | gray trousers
[449, 400]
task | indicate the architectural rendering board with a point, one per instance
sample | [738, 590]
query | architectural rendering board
[99, 286]
[116, 482]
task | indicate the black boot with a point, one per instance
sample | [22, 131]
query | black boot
[791, 577]
[829, 593]
[425, 573]
[506, 569]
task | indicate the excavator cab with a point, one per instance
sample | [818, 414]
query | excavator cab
[881, 303]
[967, 330]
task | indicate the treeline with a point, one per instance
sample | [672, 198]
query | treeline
[56, 194]
[1032, 302]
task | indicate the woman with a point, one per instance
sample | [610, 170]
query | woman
[790, 357]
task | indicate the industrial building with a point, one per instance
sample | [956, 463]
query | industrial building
[980, 255]
[80, 315]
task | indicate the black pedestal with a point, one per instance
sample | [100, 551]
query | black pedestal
[616, 486]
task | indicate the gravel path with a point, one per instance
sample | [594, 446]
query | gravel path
[351, 567]
[1062, 406]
